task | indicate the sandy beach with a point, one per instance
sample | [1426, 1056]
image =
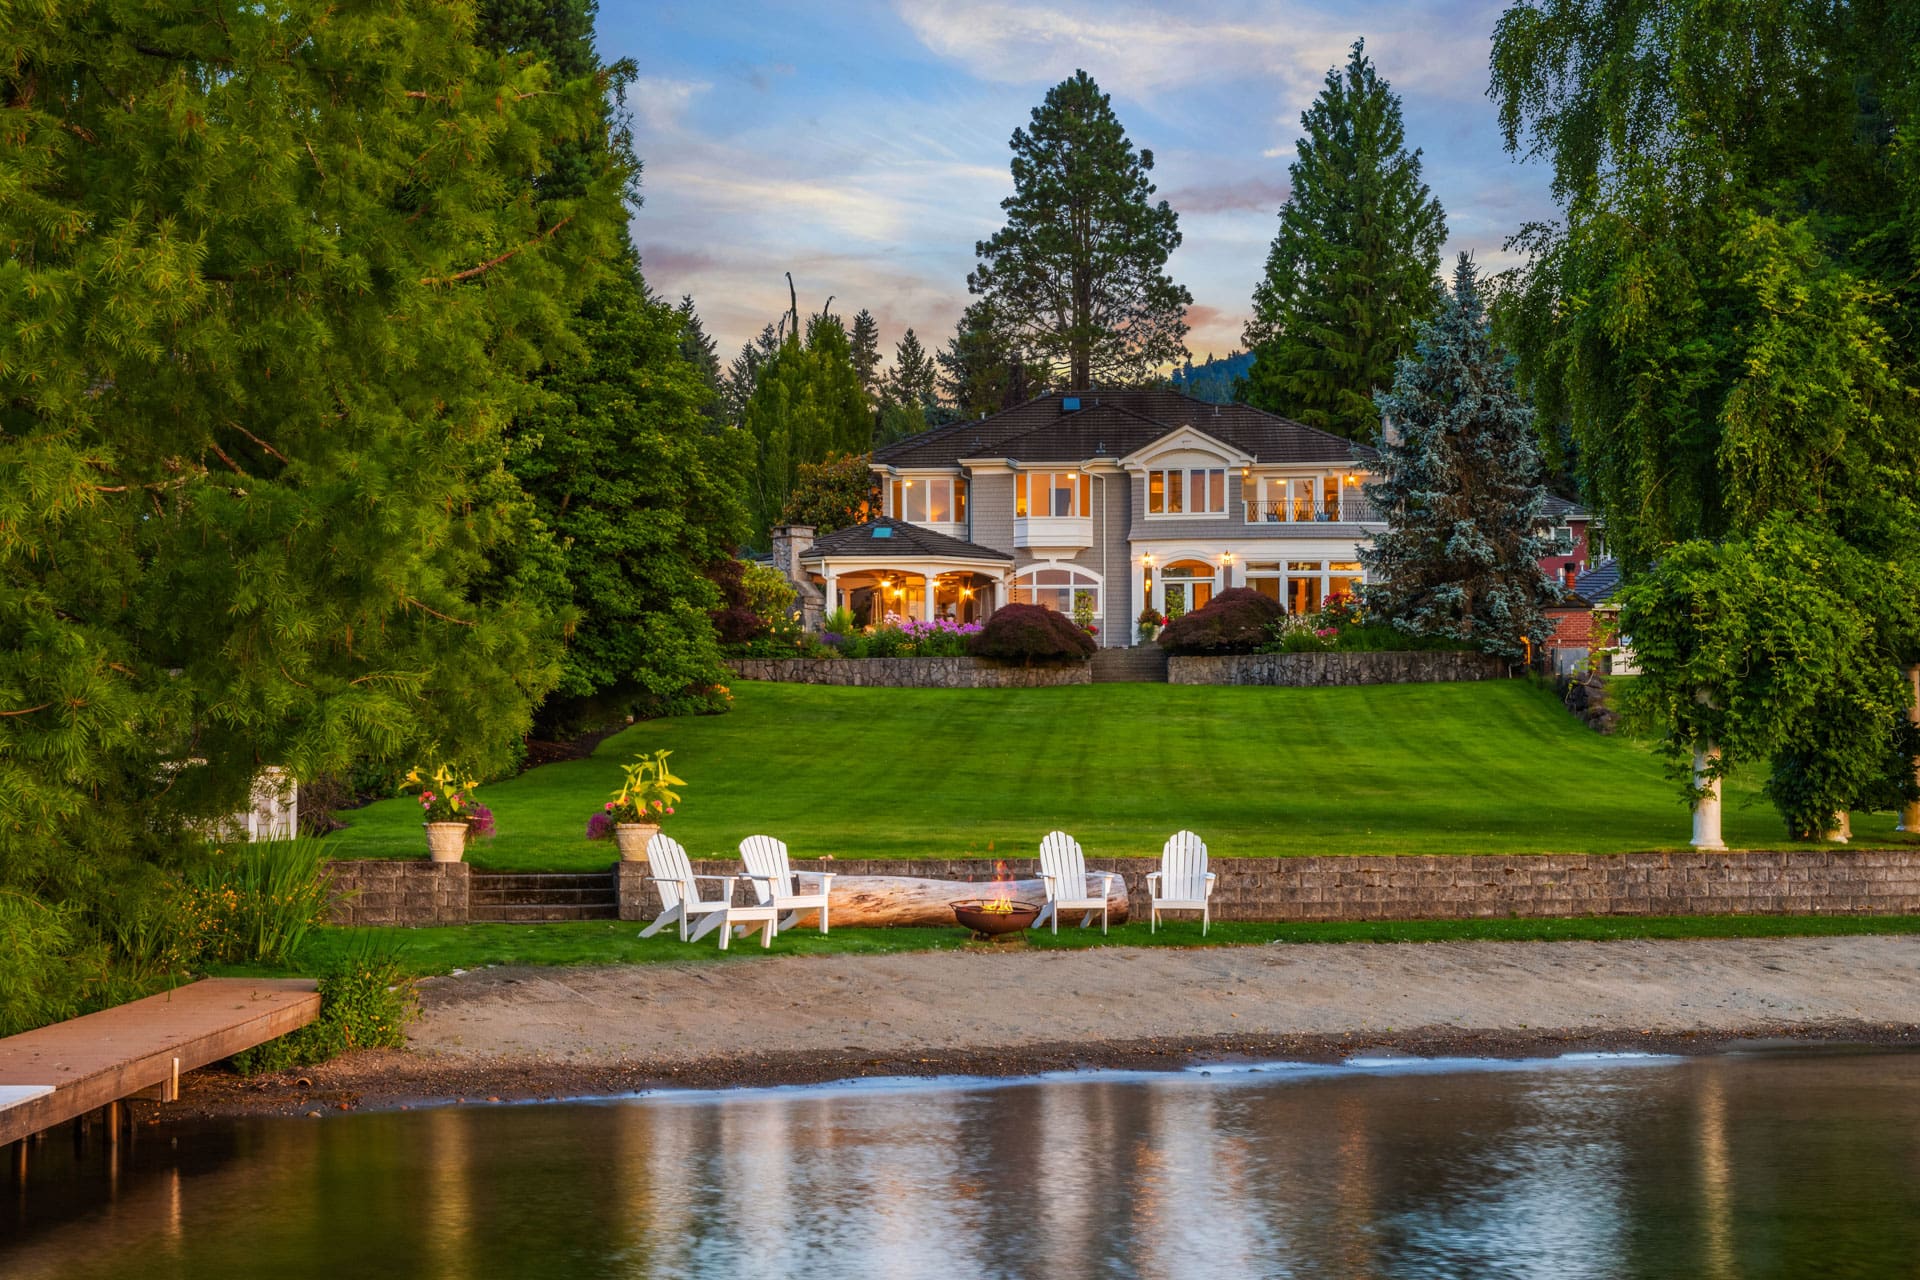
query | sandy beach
[523, 1032]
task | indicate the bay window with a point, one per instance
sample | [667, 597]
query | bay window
[1052, 493]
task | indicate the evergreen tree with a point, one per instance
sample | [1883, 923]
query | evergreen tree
[743, 374]
[1353, 266]
[866, 352]
[700, 351]
[909, 399]
[1077, 275]
[263, 320]
[806, 406]
[981, 370]
[1459, 484]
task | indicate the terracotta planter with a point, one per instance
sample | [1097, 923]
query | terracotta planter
[446, 841]
[632, 838]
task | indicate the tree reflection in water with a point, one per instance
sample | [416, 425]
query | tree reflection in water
[1778, 1164]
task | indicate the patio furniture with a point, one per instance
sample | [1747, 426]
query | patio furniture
[775, 884]
[1063, 871]
[1183, 882]
[680, 899]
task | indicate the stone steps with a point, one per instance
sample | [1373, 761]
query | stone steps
[541, 897]
[1142, 664]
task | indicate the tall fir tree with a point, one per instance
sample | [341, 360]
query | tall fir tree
[1354, 265]
[1077, 274]
[806, 406]
[1459, 485]
[265, 317]
[699, 350]
[866, 352]
[910, 397]
[743, 373]
[981, 370]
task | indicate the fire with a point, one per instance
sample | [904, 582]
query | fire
[999, 899]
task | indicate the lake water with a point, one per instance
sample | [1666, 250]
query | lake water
[1783, 1164]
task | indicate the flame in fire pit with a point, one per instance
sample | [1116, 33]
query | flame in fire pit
[999, 899]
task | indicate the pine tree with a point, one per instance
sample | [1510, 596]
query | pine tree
[700, 351]
[1353, 267]
[1459, 484]
[1078, 272]
[743, 373]
[981, 370]
[912, 379]
[866, 352]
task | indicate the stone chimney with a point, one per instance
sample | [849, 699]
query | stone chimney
[790, 542]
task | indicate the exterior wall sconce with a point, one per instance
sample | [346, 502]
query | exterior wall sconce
[1147, 559]
[1226, 557]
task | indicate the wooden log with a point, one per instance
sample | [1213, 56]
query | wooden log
[876, 901]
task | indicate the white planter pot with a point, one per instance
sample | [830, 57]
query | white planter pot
[446, 841]
[632, 838]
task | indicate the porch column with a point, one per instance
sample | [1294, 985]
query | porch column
[1706, 810]
[926, 601]
[831, 590]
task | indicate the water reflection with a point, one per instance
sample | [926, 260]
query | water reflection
[1772, 1166]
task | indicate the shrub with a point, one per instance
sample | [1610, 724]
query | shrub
[1236, 621]
[1029, 633]
[258, 902]
[366, 1001]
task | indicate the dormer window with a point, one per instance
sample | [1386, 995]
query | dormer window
[1194, 491]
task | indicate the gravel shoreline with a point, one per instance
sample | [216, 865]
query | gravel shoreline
[514, 1034]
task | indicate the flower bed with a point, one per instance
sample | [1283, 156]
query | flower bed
[912, 673]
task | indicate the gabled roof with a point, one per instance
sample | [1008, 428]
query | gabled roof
[1114, 423]
[1560, 510]
[1597, 585]
[902, 541]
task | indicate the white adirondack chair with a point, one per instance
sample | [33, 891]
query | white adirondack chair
[1063, 871]
[681, 903]
[775, 885]
[1183, 882]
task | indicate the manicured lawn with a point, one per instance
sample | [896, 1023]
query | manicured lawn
[438, 951]
[1495, 767]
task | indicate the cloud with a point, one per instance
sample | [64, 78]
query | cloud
[659, 102]
[1211, 329]
[1260, 195]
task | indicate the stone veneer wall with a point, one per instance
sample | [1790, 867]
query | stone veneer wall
[1465, 887]
[387, 891]
[1426, 887]
[910, 673]
[1304, 670]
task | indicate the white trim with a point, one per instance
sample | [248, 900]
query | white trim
[1186, 437]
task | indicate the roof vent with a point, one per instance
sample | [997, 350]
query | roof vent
[1069, 404]
[883, 531]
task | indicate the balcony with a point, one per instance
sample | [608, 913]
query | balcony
[1353, 509]
[1053, 533]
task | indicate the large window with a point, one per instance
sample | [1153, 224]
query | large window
[929, 500]
[1052, 493]
[1064, 590]
[1187, 492]
[1186, 585]
[1310, 584]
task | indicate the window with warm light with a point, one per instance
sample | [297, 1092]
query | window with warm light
[1052, 493]
[1199, 491]
[928, 499]
[1060, 589]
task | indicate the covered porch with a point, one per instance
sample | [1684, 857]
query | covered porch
[888, 566]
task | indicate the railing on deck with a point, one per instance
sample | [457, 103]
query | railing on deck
[1353, 508]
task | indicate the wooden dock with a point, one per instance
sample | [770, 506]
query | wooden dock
[65, 1071]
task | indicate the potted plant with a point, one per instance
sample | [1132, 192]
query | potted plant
[645, 800]
[449, 809]
[1149, 623]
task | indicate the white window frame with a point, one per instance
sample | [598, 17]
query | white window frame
[1081, 489]
[901, 491]
[1185, 490]
[1073, 586]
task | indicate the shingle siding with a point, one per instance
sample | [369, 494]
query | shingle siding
[990, 509]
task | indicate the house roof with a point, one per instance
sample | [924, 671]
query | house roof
[1114, 423]
[903, 541]
[1560, 510]
[1597, 585]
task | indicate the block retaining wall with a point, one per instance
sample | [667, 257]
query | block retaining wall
[1425, 887]
[910, 673]
[1308, 670]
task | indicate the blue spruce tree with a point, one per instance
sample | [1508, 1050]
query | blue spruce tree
[1460, 486]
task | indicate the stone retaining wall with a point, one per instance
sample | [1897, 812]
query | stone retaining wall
[910, 673]
[1425, 887]
[1305, 670]
[384, 891]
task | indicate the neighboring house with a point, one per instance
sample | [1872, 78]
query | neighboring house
[1099, 504]
[1567, 523]
[1589, 620]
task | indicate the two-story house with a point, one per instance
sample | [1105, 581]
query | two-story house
[1099, 504]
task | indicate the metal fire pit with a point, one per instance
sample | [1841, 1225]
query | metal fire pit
[990, 925]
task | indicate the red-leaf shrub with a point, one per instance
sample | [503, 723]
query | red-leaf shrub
[1235, 621]
[1028, 633]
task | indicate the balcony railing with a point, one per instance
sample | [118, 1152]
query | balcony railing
[1353, 507]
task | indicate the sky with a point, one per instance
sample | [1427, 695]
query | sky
[864, 146]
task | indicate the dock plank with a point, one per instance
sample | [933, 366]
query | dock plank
[106, 1056]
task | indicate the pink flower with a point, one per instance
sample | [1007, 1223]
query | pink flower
[669, 810]
[609, 806]
[426, 797]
